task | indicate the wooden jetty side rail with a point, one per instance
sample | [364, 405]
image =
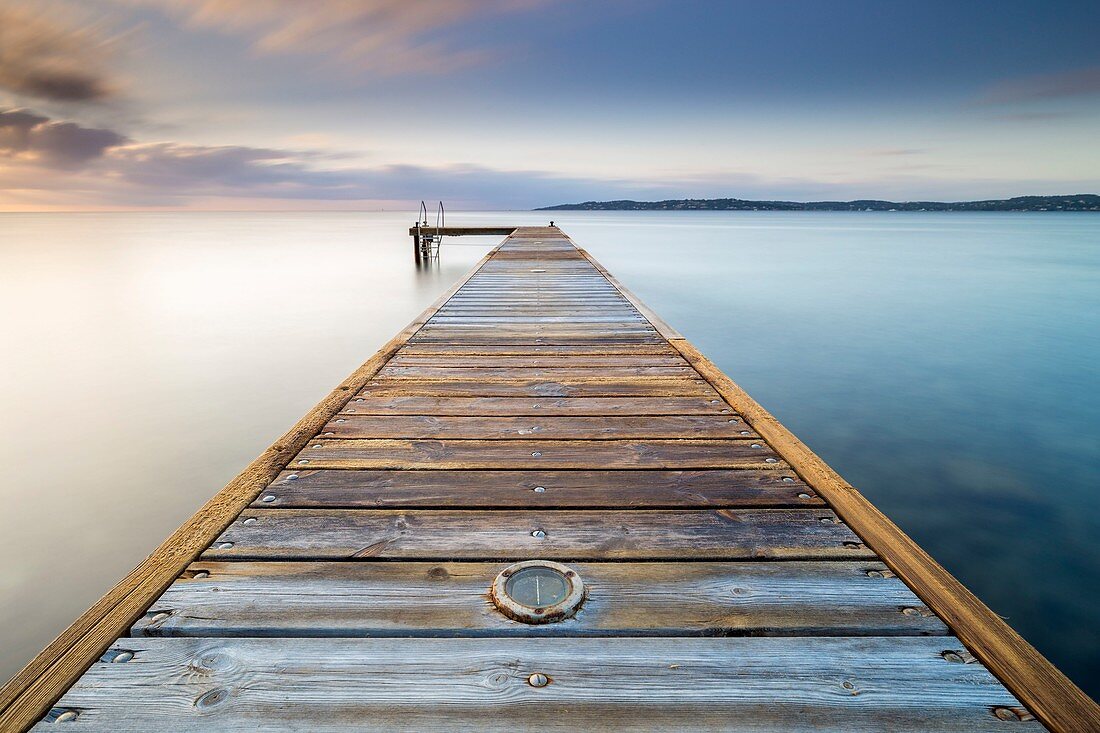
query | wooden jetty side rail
[540, 411]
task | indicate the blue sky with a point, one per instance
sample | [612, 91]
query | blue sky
[361, 104]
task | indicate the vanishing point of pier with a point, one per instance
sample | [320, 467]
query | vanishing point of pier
[539, 508]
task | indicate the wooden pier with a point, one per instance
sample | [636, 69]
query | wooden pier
[539, 412]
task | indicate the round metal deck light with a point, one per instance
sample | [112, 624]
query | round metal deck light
[537, 592]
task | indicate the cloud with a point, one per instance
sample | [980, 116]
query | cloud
[46, 162]
[46, 58]
[59, 157]
[1075, 83]
[31, 138]
[388, 36]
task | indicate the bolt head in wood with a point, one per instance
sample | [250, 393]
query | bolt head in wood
[538, 680]
[538, 534]
[268, 499]
[539, 489]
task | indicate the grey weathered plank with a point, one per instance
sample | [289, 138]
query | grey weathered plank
[573, 387]
[541, 453]
[458, 405]
[513, 373]
[374, 489]
[840, 685]
[590, 361]
[624, 599]
[637, 534]
[600, 349]
[537, 427]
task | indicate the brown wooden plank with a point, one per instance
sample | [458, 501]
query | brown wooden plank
[541, 453]
[638, 534]
[514, 373]
[624, 599]
[560, 489]
[575, 387]
[825, 685]
[605, 349]
[429, 405]
[532, 360]
[537, 427]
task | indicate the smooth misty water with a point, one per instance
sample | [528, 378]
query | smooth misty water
[946, 364]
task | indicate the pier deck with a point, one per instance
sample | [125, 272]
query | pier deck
[539, 411]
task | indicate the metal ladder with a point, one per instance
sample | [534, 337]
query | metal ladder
[428, 238]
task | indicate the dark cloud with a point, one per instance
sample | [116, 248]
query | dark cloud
[122, 171]
[32, 138]
[1076, 83]
[42, 56]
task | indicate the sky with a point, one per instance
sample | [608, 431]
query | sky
[513, 104]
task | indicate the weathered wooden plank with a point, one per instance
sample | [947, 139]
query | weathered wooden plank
[788, 685]
[575, 387]
[532, 360]
[537, 427]
[625, 599]
[488, 327]
[514, 373]
[542, 453]
[430, 405]
[494, 321]
[559, 489]
[637, 534]
[603, 349]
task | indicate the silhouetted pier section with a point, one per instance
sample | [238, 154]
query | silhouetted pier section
[426, 238]
[540, 508]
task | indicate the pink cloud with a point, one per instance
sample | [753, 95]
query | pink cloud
[386, 36]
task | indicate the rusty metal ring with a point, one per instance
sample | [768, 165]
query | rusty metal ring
[544, 614]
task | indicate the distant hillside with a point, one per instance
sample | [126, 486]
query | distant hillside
[1076, 202]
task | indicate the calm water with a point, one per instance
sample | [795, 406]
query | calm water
[946, 364]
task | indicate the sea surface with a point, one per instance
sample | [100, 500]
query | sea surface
[945, 364]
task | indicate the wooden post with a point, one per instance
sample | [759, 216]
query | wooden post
[416, 243]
